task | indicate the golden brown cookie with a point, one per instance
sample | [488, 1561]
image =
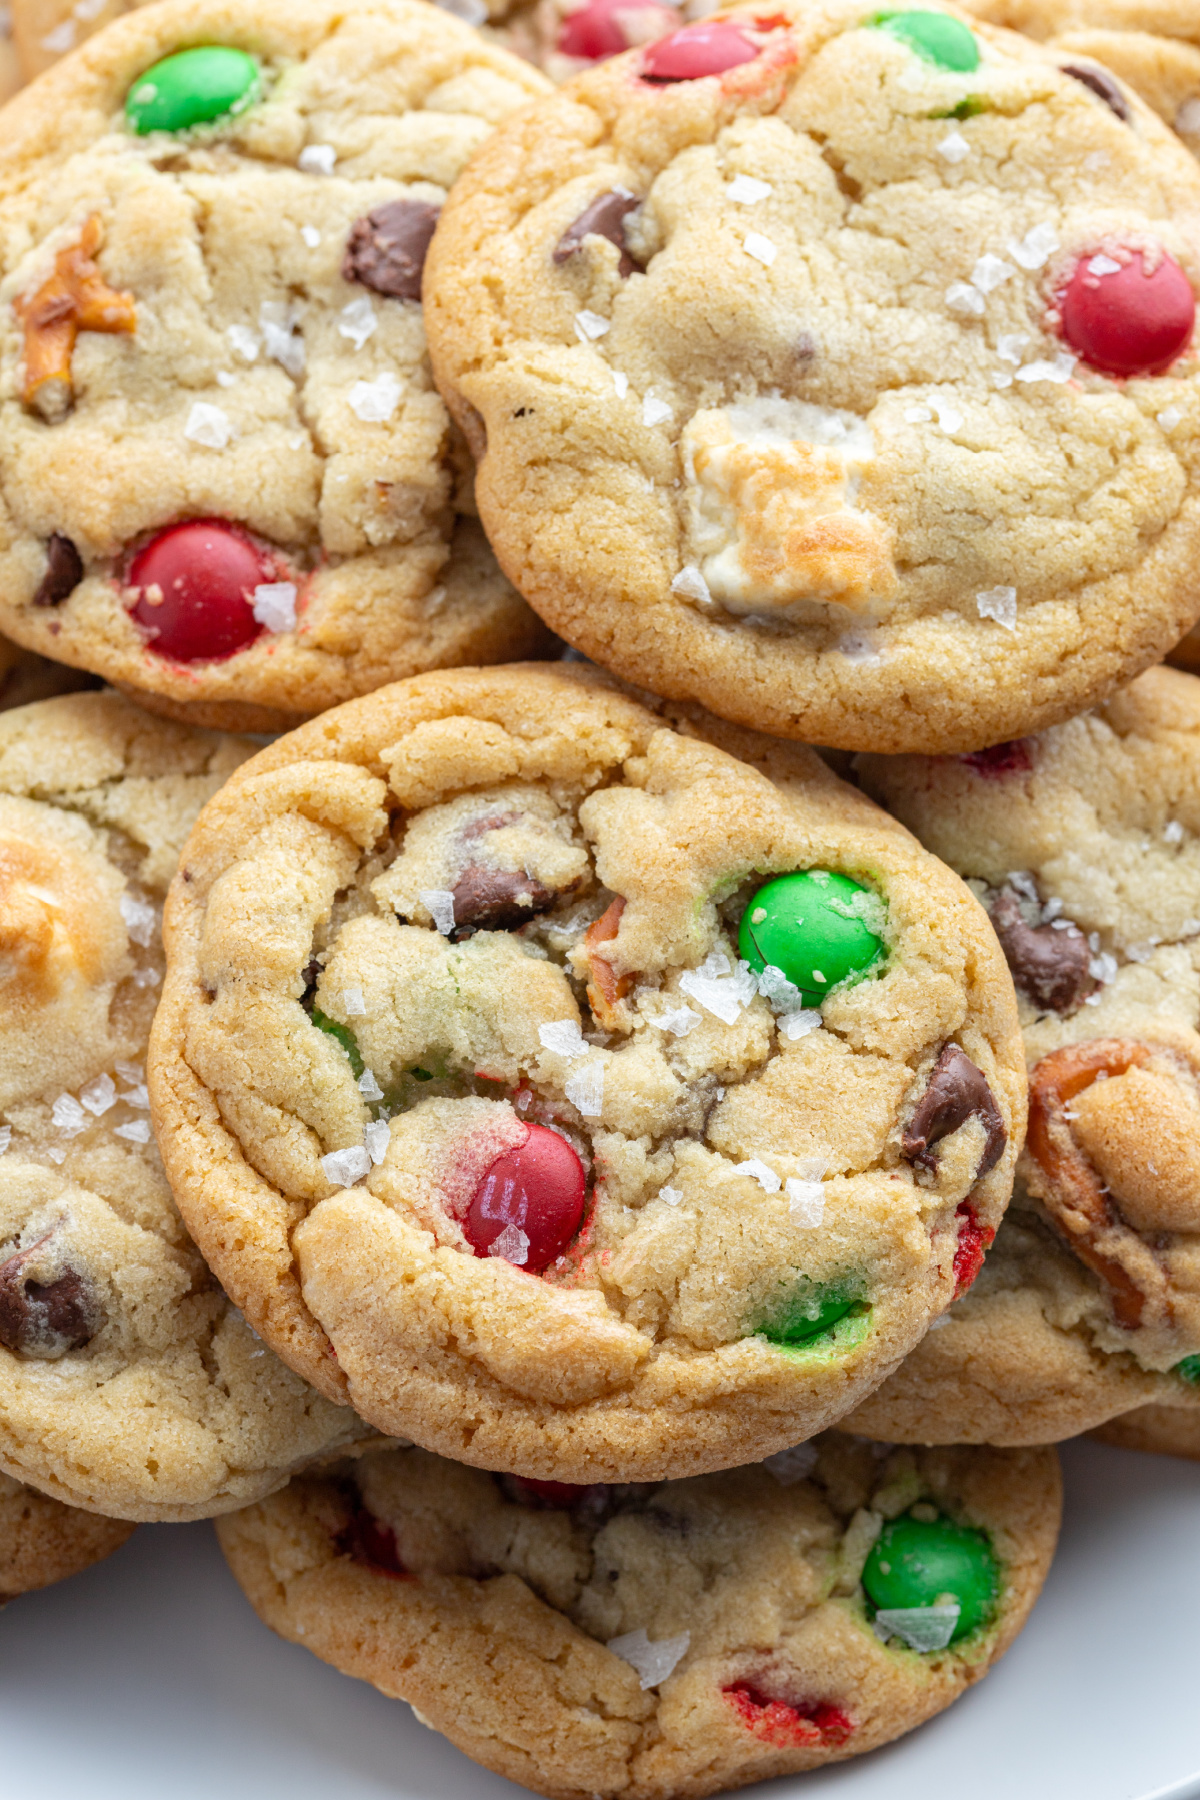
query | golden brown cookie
[129, 1383]
[509, 1094]
[42, 1541]
[661, 1640]
[1084, 843]
[227, 480]
[1162, 1430]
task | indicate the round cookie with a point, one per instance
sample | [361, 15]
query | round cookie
[471, 1102]
[1161, 1430]
[42, 1541]
[665, 1640]
[129, 1384]
[227, 481]
[25, 677]
[791, 395]
[1085, 845]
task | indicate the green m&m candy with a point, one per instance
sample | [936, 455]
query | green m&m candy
[921, 1562]
[1189, 1368]
[812, 1310]
[192, 87]
[934, 36]
[819, 927]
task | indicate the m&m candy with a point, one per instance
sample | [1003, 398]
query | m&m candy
[696, 51]
[924, 1562]
[192, 87]
[1128, 317]
[815, 925]
[933, 36]
[195, 590]
[529, 1203]
[600, 28]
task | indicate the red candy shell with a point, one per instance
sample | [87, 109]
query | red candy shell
[695, 51]
[538, 1187]
[206, 572]
[596, 30]
[1131, 322]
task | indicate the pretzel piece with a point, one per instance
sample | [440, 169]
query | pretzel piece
[75, 298]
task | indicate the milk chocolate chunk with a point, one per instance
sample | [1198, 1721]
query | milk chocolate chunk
[1051, 966]
[488, 899]
[46, 1319]
[605, 218]
[64, 572]
[1102, 85]
[957, 1092]
[386, 250]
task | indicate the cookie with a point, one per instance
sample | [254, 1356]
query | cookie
[228, 483]
[42, 1541]
[1161, 1430]
[565, 1094]
[1085, 845]
[25, 676]
[129, 1384]
[790, 398]
[660, 1640]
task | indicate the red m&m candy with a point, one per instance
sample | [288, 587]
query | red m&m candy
[195, 586]
[1131, 319]
[531, 1200]
[697, 50]
[606, 27]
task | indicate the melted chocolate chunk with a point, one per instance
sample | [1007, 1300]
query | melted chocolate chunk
[386, 250]
[46, 1319]
[605, 218]
[1102, 85]
[956, 1092]
[488, 899]
[1050, 966]
[64, 572]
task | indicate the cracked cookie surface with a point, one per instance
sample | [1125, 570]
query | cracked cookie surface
[1084, 843]
[471, 1096]
[42, 1541]
[822, 431]
[646, 1640]
[214, 326]
[128, 1382]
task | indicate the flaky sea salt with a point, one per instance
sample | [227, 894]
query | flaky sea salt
[1102, 265]
[621, 383]
[806, 1202]
[798, 1024]
[317, 159]
[1173, 833]
[793, 1465]
[671, 1195]
[564, 1037]
[777, 990]
[991, 272]
[948, 417]
[585, 1089]
[225, 379]
[1059, 370]
[62, 39]
[766, 1178]
[654, 411]
[244, 341]
[923, 1628]
[68, 1116]
[954, 147]
[678, 1022]
[747, 190]
[1000, 604]
[141, 919]
[208, 425]
[918, 415]
[311, 236]
[5, 1138]
[353, 1004]
[760, 248]
[280, 328]
[345, 1167]
[368, 1087]
[99, 1095]
[1169, 417]
[439, 904]
[357, 321]
[962, 297]
[1035, 248]
[653, 1662]
[1103, 968]
[274, 605]
[511, 1245]
[1187, 119]
[374, 402]
[137, 1131]
[376, 1138]
[691, 584]
[722, 995]
[589, 326]
[1009, 346]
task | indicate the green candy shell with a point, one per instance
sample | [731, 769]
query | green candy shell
[193, 87]
[933, 36]
[343, 1035]
[813, 926]
[808, 1318]
[915, 1561]
[1189, 1368]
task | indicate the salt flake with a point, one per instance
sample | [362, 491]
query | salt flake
[274, 605]
[589, 326]
[345, 1167]
[564, 1038]
[922, 1628]
[99, 1095]
[1173, 833]
[353, 1004]
[5, 1138]
[793, 1465]
[376, 1137]
[799, 1024]
[243, 340]
[311, 236]
[1010, 345]
[691, 584]
[141, 919]
[1169, 417]
[1000, 604]
[806, 1202]
[317, 159]
[1187, 119]
[766, 1178]
[585, 1089]
[208, 425]
[439, 904]
[760, 248]
[1035, 248]
[1103, 265]
[962, 297]
[954, 147]
[357, 321]
[62, 39]
[68, 1115]
[368, 1087]
[746, 190]
[511, 1245]
[678, 1022]
[280, 328]
[654, 411]
[137, 1131]
[991, 272]
[671, 1195]
[653, 1662]
[621, 383]
[374, 402]
[1042, 370]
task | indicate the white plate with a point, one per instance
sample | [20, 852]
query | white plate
[149, 1678]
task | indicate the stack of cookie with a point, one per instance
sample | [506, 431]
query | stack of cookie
[530, 1146]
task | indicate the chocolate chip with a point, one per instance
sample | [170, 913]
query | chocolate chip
[46, 1319]
[1102, 85]
[487, 899]
[312, 974]
[957, 1092]
[605, 218]
[386, 250]
[1051, 966]
[64, 572]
